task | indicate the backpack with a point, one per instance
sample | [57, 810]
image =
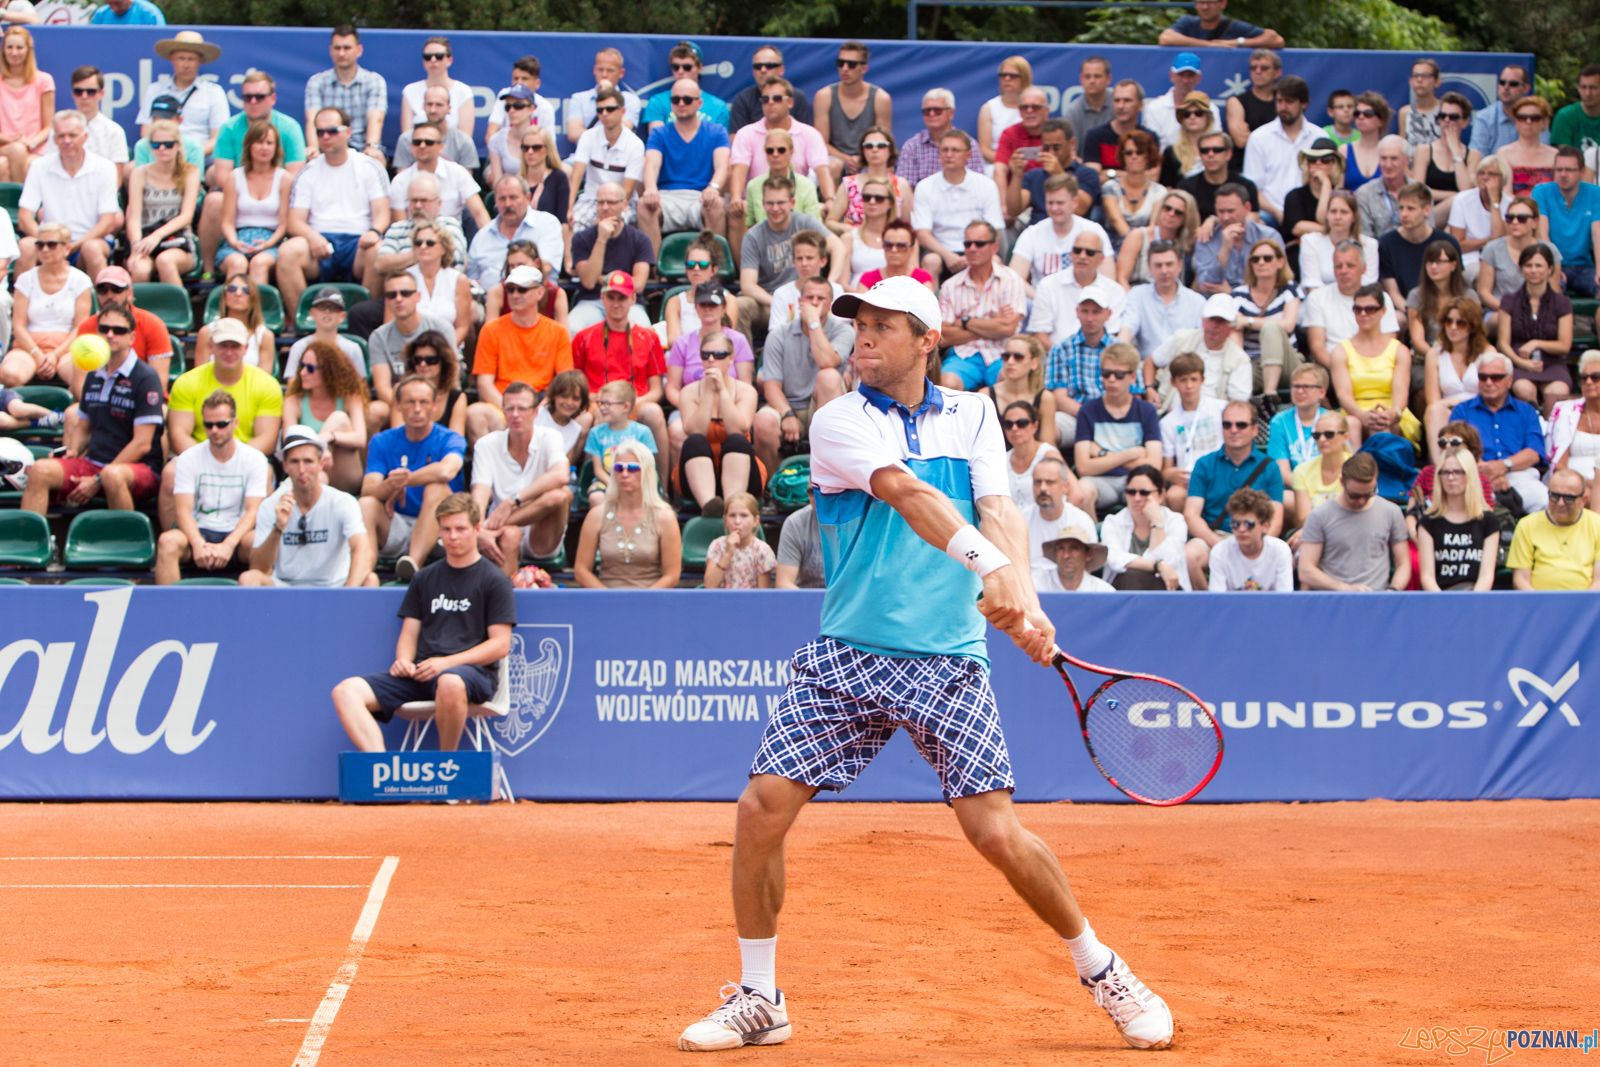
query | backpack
[1397, 468]
[791, 487]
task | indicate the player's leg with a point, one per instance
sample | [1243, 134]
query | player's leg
[354, 701]
[449, 710]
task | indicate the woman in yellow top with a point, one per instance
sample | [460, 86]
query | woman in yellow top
[1316, 480]
[1372, 374]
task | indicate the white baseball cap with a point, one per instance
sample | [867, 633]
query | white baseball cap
[1221, 306]
[295, 436]
[525, 276]
[901, 293]
[1095, 293]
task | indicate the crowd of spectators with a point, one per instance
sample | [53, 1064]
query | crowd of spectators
[1220, 338]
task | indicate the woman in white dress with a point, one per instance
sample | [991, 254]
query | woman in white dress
[50, 301]
[446, 293]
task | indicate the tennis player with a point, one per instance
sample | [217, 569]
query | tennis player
[901, 469]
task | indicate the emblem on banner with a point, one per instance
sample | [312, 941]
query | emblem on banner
[1551, 696]
[539, 668]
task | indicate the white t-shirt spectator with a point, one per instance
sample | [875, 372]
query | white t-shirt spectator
[1049, 581]
[52, 312]
[1188, 435]
[1335, 313]
[1040, 529]
[1048, 252]
[75, 200]
[604, 162]
[946, 209]
[1272, 571]
[339, 198]
[460, 97]
[106, 139]
[544, 114]
[320, 554]
[492, 464]
[219, 488]
[456, 187]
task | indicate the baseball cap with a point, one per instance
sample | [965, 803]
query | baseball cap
[113, 276]
[1095, 293]
[329, 296]
[618, 281]
[1220, 306]
[296, 436]
[165, 104]
[1321, 148]
[900, 293]
[517, 92]
[229, 329]
[710, 293]
[525, 276]
[1186, 61]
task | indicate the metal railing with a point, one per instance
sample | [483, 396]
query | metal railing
[912, 6]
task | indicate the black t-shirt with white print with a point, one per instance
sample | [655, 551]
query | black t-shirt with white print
[457, 605]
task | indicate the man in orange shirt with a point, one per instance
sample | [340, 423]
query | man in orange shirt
[615, 349]
[523, 346]
[151, 341]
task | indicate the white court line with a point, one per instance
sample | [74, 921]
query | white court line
[175, 885]
[22, 859]
[322, 1022]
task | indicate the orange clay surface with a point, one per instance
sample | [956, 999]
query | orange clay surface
[591, 934]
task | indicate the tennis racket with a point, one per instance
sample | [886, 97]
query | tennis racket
[1152, 739]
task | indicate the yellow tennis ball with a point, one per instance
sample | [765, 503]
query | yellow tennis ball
[90, 351]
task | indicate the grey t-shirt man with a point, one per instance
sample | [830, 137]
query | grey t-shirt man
[787, 357]
[389, 344]
[1356, 545]
[800, 546]
[772, 251]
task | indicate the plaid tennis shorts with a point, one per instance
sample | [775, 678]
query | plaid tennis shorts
[843, 705]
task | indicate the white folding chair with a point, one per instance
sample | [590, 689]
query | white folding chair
[419, 716]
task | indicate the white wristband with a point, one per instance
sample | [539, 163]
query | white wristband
[976, 552]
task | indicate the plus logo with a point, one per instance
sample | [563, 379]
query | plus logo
[1528, 686]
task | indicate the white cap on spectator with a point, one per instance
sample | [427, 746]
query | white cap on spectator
[1095, 293]
[298, 435]
[229, 329]
[900, 293]
[525, 276]
[1221, 306]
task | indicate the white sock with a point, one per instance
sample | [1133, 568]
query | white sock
[759, 958]
[1088, 954]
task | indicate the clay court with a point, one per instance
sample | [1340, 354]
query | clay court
[544, 933]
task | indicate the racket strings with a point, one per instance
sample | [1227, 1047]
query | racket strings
[1151, 738]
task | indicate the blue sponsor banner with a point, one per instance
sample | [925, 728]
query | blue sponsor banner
[217, 693]
[905, 68]
[397, 777]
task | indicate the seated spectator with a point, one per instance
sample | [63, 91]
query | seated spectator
[847, 209]
[1058, 156]
[1116, 430]
[201, 103]
[30, 103]
[766, 258]
[1446, 164]
[1317, 246]
[718, 411]
[1530, 156]
[1022, 378]
[444, 293]
[74, 188]
[364, 94]
[106, 137]
[519, 479]
[437, 59]
[702, 265]
[522, 346]
[431, 356]
[1238, 464]
[308, 535]
[920, 153]
[1372, 374]
[1132, 197]
[802, 368]
[50, 300]
[438, 103]
[1072, 368]
[1402, 251]
[1574, 437]
[259, 94]
[809, 254]
[685, 168]
[505, 140]
[514, 222]
[1191, 428]
[456, 630]
[779, 149]
[1513, 444]
[1330, 317]
[1220, 260]
[1378, 198]
[1453, 437]
[338, 211]
[566, 409]
[1450, 375]
[1342, 110]
[161, 202]
[581, 109]
[1499, 270]
[872, 104]
[799, 559]
[607, 152]
[1364, 153]
[1289, 436]
[552, 298]
[1478, 216]
[216, 491]
[1074, 553]
[411, 469]
[1019, 421]
[1053, 317]
[128, 13]
[327, 317]
[609, 246]
[255, 207]
[631, 532]
[898, 241]
[1442, 282]
[1571, 209]
[739, 559]
[1219, 165]
[747, 159]
[241, 302]
[685, 63]
[545, 175]
[1357, 541]
[1318, 479]
[684, 365]
[1155, 310]
[1181, 159]
[745, 107]
[387, 345]
[1458, 540]
[1227, 369]
[1252, 560]
[1557, 547]
[114, 446]
[1057, 495]
[1160, 113]
[1046, 247]
[946, 202]
[864, 242]
[1144, 541]
[458, 189]
[1174, 226]
[982, 305]
[614, 424]
[634, 356]
[151, 341]
[327, 397]
[1269, 309]
[1534, 330]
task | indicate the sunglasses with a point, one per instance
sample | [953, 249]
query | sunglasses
[236, 290]
[402, 294]
[434, 57]
[1030, 107]
[1014, 357]
[1530, 117]
[896, 246]
[1591, 376]
[1139, 492]
[680, 100]
[426, 242]
[626, 468]
[1510, 82]
[874, 198]
[774, 98]
[606, 109]
[697, 264]
[1193, 112]
[679, 67]
[866, 145]
[1452, 442]
[1214, 150]
[1265, 257]
[85, 92]
[1450, 116]
[254, 98]
[1010, 74]
[766, 66]
[1366, 309]
[1117, 375]
[161, 146]
[221, 424]
[852, 64]
[1482, 377]
[1366, 113]
[1016, 424]
[518, 105]
[934, 110]
[107, 289]
[1564, 498]
[1226, 425]
[47, 244]
[423, 142]
[1519, 216]
[777, 150]
[1452, 472]
[977, 244]
[716, 353]
[1245, 524]
[431, 360]
[536, 147]
[330, 131]
[1454, 320]
[308, 368]
[1090, 252]
[1325, 435]
[115, 331]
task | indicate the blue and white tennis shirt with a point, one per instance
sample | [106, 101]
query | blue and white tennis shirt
[889, 591]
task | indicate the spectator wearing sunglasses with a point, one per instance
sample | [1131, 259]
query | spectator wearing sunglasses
[779, 148]
[1252, 560]
[1116, 430]
[631, 530]
[504, 143]
[216, 491]
[259, 95]
[526, 73]
[685, 169]
[362, 94]
[458, 147]
[106, 137]
[981, 307]
[919, 153]
[608, 74]
[1144, 541]
[113, 287]
[746, 105]
[1317, 480]
[1574, 438]
[684, 60]
[50, 301]
[326, 394]
[607, 152]
[1493, 128]
[1557, 547]
[241, 302]
[1512, 435]
[308, 534]
[717, 460]
[1357, 541]
[846, 109]
[459, 192]
[1238, 464]
[748, 159]
[437, 59]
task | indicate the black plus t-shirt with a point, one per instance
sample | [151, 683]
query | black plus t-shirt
[457, 605]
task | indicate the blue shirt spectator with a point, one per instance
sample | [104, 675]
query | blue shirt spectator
[686, 164]
[1505, 430]
[1209, 268]
[128, 13]
[1033, 185]
[1215, 478]
[392, 449]
[1570, 224]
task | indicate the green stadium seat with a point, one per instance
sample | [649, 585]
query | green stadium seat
[169, 303]
[554, 562]
[10, 198]
[271, 307]
[353, 294]
[24, 539]
[53, 397]
[110, 539]
[208, 580]
[698, 533]
[675, 246]
[100, 582]
[12, 581]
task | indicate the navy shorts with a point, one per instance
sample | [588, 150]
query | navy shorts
[338, 266]
[392, 692]
[843, 705]
[214, 537]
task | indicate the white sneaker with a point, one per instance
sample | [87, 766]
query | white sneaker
[745, 1018]
[1143, 1019]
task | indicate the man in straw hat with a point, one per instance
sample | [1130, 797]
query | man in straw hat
[202, 105]
[1076, 553]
